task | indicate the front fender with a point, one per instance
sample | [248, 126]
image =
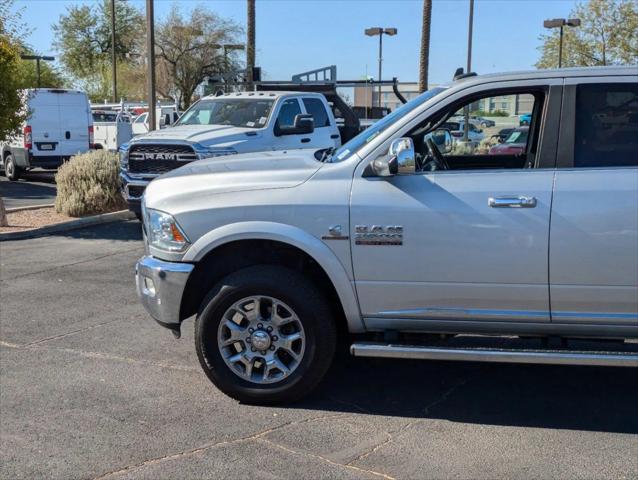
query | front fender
[259, 230]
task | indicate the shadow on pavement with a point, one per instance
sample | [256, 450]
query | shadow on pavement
[541, 396]
[24, 189]
[127, 231]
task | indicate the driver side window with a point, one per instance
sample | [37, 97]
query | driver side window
[498, 131]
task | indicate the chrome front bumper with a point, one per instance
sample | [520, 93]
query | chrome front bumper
[160, 286]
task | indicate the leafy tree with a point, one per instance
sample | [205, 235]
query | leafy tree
[608, 35]
[83, 36]
[190, 49]
[11, 114]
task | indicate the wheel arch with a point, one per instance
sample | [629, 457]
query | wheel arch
[216, 253]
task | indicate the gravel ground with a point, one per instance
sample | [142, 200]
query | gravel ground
[90, 387]
[29, 219]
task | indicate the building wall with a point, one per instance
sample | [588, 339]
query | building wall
[368, 96]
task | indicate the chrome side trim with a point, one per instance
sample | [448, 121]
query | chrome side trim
[467, 314]
[612, 359]
[502, 327]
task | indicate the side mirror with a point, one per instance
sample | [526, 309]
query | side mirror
[303, 124]
[442, 138]
[167, 119]
[399, 160]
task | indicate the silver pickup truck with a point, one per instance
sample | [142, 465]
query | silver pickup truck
[407, 246]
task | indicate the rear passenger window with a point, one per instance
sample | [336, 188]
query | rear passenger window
[289, 110]
[315, 107]
[606, 125]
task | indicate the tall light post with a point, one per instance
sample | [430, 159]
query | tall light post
[150, 54]
[37, 59]
[470, 28]
[113, 64]
[560, 23]
[371, 32]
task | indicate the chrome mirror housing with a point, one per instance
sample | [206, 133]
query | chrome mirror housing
[399, 160]
[401, 153]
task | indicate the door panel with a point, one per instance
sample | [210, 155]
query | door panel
[460, 258]
[594, 246]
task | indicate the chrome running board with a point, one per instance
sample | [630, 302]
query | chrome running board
[548, 357]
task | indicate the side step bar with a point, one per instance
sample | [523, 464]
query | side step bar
[548, 357]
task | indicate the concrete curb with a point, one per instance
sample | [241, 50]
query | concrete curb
[29, 207]
[71, 225]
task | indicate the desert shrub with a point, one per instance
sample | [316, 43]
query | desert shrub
[89, 184]
[485, 145]
[462, 148]
[495, 113]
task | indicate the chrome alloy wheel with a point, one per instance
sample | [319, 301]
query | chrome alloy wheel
[261, 339]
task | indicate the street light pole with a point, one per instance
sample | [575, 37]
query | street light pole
[37, 59]
[466, 109]
[371, 32]
[150, 53]
[561, 23]
[380, 66]
[114, 65]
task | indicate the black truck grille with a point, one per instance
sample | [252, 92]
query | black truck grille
[159, 158]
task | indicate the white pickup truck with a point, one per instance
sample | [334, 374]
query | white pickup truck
[406, 248]
[225, 125]
[111, 128]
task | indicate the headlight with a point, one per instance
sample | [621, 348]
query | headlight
[209, 152]
[124, 156]
[163, 231]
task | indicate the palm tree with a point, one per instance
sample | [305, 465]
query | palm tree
[250, 43]
[424, 58]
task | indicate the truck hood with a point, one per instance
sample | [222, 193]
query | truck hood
[207, 135]
[231, 173]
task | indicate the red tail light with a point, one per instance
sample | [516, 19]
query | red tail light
[91, 136]
[28, 137]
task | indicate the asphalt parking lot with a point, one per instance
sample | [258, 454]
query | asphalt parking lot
[33, 188]
[90, 387]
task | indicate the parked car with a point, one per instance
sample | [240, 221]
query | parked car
[525, 119]
[502, 134]
[514, 144]
[165, 116]
[112, 128]
[484, 122]
[59, 126]
[225, 125]
[457, 129]
[405, 250]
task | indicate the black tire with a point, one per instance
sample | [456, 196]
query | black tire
[11, 170]
[310, 306]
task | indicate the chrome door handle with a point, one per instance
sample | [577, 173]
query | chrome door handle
[511, 202]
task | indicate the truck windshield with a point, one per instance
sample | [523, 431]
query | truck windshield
[376, 128]
[244, 112]
[106, 117]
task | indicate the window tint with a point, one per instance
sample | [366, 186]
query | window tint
[141, 118]
[606, 125]
[315, 107]
[289, 110]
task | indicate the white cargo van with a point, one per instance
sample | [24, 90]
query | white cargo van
[59, 126]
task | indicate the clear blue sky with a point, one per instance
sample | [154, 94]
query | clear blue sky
[298, 35]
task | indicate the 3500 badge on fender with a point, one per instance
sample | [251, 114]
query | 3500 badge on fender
[378, 235]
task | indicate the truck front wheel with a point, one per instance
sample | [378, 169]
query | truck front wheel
[265, 335]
